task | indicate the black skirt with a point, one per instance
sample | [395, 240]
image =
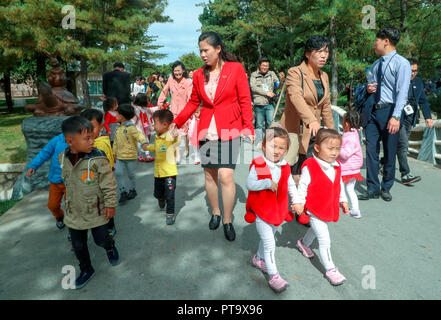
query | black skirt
[219, 154]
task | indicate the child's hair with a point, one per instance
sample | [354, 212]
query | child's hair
[276, 132]
[126, 110]
[93, 114]
[163, 115]
[76, 124]
[141, 100]
[109, 103]
[324, 134]
[353, 118]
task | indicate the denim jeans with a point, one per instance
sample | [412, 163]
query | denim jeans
[264, 117]
[126, 170]
[79, 243]
[403, 145]
[165, 189]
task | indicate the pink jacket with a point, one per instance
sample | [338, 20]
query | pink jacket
[180, 94]
[351, 155]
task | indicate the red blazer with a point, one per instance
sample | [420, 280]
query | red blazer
[231, 105]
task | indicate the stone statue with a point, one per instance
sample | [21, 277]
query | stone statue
[53, 98]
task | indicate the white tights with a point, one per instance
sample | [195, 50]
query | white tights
[267, 244]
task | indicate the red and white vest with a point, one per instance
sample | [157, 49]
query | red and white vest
[270, 206]
[323, 195]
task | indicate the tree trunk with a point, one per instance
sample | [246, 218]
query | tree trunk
[8, 93]
[334, 75]
[41, 67]
[403, 8]
[84, 83]
[259, 46]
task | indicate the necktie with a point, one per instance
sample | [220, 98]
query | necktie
[379, 80]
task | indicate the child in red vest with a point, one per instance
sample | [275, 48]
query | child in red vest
[269, 183]
[110, 122]
[320, 197]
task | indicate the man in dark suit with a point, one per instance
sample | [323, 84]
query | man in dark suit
[417, 97]
[116, 84]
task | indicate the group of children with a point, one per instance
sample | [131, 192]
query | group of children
[317, 199]
[87, 168]
[82, 164]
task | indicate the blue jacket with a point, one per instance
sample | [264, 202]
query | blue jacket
[417, 97]
[51, 151]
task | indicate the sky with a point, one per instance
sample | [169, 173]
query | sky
[180, 36]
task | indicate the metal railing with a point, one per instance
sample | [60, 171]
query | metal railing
[424, 143]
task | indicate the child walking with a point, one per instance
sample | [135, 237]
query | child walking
[319, 195]
[165, 163]
[90, 194]
[110, 123]
[57, 189]
[139, 120]
[102, 142]
[269, 183]
[351, 158]
[125, 149]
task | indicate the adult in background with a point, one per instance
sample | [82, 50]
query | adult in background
[262, 84]
[392, 79]
[226, 114]
[308, 98]
[416, 98]
[116, 83]
[180, 88]
[137, 87]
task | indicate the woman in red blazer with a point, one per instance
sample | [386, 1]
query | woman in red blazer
[226, 114]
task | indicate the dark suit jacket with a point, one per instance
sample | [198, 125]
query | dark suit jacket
[417, 97]
[117, 84]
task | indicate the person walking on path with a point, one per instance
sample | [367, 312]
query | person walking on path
[180, 88]
[351, 158]
[392, 74]
[116, 83]
[269, 183]
[308, 98]
[319, 194]
[222, 88]
[262, 83]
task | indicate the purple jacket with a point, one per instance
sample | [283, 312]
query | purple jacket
[351, 155]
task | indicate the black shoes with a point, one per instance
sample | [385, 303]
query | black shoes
[229, 232]
[386, 196]
[369, 195]
[408, 178]
[132, 194]
[124, 197]
[60, 224]
[113, 256]
[214, 222]
[84, 278]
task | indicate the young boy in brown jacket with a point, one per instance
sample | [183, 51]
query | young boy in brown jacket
[90, 194]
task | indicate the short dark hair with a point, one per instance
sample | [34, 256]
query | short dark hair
[391, 33]
[163, 115]
[118, 65]
[126, 110]
[324, 134]
[263, 59]
[177, 64]
[276, 132]
[93, 114]
[76, 124]
[314, 42]
[353, 118]
[109, 103]
[413, 61]
[141, 100]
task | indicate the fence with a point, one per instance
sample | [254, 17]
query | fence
[424, 143]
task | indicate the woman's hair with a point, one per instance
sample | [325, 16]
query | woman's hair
[109, 104]
[177, 64]
[151, 79]
[315, 42]
[215, 40]
[141, 100]
[324, 134]
[353, 118]
[276, 132]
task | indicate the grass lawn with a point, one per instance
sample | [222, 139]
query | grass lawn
[12, 141]
[6, 205]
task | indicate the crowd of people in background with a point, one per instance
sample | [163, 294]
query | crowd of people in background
[306, 170]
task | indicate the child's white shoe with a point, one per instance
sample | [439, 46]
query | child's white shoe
[355, 213]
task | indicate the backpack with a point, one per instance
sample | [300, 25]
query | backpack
[359, 95]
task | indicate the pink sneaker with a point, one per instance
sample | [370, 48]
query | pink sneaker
[306, 251]
[335, 277]
[259, 264]
[277, 283]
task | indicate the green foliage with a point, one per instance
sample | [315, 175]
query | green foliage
[191, 61]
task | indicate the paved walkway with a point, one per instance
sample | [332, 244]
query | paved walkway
[399, 241]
